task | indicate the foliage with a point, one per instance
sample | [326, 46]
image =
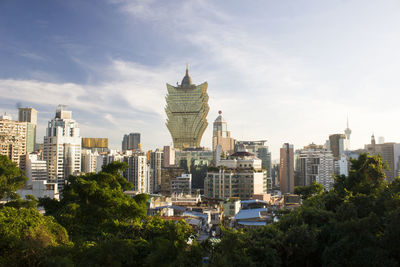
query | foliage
[94, 205]
[11, 178]
[353, 224]
[308, 191]
[26, 236]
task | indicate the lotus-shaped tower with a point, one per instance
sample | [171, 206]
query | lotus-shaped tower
[187, 109]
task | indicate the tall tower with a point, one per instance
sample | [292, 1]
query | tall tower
[221, 135]
[347, 133]
[187, 109]
[62, 147]
[286, 169]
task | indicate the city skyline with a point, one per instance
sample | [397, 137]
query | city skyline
[264, 72]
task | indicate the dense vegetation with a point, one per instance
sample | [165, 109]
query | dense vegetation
[95, 224]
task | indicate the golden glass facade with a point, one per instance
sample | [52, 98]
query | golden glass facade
[187, 109]
[95, 142]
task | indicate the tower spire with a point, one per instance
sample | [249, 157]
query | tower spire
[187, 69]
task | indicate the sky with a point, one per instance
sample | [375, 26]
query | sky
[282, 71]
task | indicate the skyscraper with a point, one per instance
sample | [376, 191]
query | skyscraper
[62, 147]
[286, 169]
[221, 136]
[187, 109]
[29, 115]
[131, 141]
[156, 159]
[336, 142]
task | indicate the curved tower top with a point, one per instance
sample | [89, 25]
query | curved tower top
[186, 81]
[187, 109]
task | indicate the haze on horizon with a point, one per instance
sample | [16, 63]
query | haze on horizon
[283, 71]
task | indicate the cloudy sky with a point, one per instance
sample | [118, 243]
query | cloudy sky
[285, 71]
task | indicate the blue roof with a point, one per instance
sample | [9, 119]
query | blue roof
[249, 214]
[253, 223]
[250, 201]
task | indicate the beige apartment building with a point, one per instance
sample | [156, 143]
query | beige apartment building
[13, 140]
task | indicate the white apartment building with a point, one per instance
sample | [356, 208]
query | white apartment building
[62, 147]
[35, 169]
[89, 161]
[316, 165]
[137, 172]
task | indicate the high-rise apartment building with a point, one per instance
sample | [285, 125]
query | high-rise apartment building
[156, 159]
[286, 171]
[13, 140]
[62, 147]
[137, 172]
[316, 165]
[187, 109]
[131, 141]
[29, 115]
[222, 137]
[89, 161]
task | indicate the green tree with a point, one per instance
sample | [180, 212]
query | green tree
[308, 191]
[26, 236]
[11, 178]
[94, 205]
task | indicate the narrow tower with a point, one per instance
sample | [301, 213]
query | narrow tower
[347, 132]
[187, 109]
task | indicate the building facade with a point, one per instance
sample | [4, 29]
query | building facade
[187, 109]
[317, 165]
[131, 141]
[241, 176]
[13, 140]
[29, 115]
[259, 149]
[36, 169]
[137, 172]
[222, 137]
[156, 159]
[95, 144]
[390, 152]
[182, 184]
[62, 147]
[336, 145]
[286, 168]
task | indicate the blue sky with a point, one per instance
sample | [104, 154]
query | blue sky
[285, 71]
